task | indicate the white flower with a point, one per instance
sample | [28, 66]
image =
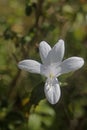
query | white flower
[52, 67]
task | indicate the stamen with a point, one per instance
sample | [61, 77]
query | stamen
[51, 76]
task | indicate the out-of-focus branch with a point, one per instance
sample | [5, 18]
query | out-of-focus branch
[12, 90]
[38, 13]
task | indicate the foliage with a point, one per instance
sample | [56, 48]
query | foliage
[23, 24]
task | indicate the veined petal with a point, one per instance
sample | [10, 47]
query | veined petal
[52, 90]
[44, 49]
[30, 65]
[71, 64]
[57, 53]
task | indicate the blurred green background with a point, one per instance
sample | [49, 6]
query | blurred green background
[23, 25]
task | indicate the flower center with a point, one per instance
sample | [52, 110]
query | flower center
[51, 76]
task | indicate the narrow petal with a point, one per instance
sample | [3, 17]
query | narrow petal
[44, 49]
[71, 64]
[52, 90]
[30, 65]
[57, 53]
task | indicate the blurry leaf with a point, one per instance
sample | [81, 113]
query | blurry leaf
[37, 94]
[42, 118]
[28, 10]
[79, 33]
[25, 101]
[68, 9]
[18, 29]
[34, 122]
[3, 113]
[15, 118]
[47, 109]
[8, 34]
[84, 6]
[76, 108]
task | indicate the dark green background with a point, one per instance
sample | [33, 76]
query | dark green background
[23, 25]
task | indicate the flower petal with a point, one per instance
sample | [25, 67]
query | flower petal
[52, 90]
[30, 65]
[57, 53]
[44, 49]
[71, 64]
